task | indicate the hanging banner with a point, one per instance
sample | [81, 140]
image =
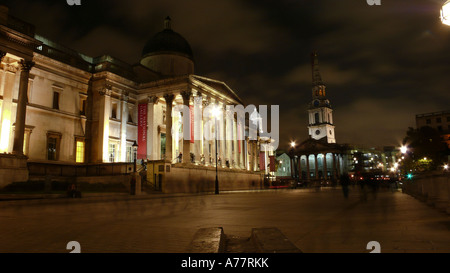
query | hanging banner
[272, 163]
[191, 116]
[262, 161]
[142, 131]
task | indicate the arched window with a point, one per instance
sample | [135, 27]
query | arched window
[316, 118]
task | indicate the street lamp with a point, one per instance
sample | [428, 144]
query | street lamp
[403, 149]
[292, 144]
[445, 13]
[135, 146]
[216, 113]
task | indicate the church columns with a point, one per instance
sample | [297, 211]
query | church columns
[334, 167]
[308, 171]
[325, 169]
[186, 142]
[338, 165]
[299, 167]
[103, 124]
[25, 67]
[316, 167]
[169, 99]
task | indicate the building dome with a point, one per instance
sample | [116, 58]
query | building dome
[167, 41]
[168, 52]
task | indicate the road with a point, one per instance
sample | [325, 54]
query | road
[315, 221]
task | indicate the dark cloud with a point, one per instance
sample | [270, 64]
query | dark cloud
[382, 64]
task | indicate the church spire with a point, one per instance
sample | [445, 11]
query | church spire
[316, 78]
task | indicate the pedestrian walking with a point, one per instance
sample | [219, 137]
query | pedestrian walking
[345, 182]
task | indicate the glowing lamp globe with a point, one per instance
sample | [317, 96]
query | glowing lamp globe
[445, 13]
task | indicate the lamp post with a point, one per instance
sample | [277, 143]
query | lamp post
[135, 146]
[445, 13]
[216, 113]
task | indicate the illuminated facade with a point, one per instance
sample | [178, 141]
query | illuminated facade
[80, 109]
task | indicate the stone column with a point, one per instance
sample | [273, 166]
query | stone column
[338, 165]
[235, 145]
[334, 166]
[151, 130]
[198, 133]
[123, 127]
[186, 142]
[250, 154]
[103, 124]
[25, 67]
[206, 151]
[308, 171]
[222, 136]
[169, 99]
[325, 168]
[300, 167]
[316, 167]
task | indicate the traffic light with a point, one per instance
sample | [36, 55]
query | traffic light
[409, 176]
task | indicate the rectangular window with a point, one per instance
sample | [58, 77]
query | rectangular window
[51, 148]
[112, 152]
[163, 145]
[82, 106]
[114, 111]
[438, 120]
[129, 154]
[79, 151]
[55, 100]
[428, 121]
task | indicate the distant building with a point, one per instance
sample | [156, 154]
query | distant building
[436, 120]
[284, 170]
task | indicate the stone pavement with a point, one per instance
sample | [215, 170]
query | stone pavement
[315, 221]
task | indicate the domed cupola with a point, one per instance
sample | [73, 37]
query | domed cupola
[168, 53]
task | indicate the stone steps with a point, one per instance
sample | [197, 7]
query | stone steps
[261, 240]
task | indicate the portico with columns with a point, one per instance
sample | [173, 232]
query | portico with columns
[192, 134]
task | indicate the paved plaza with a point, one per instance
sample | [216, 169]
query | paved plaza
[316, 221]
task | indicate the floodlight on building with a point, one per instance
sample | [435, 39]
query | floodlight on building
[445, 13]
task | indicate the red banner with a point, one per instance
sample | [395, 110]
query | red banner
[272, 163]
[142, 131]
[262, 163]
[191, 115]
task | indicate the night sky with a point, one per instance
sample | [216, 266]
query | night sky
[381, 65]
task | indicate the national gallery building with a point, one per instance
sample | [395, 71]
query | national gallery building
[60, 107]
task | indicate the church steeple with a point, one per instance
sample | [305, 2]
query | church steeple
[318, 87]
[316, 78]
[320, 112]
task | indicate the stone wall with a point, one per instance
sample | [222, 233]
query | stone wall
[432, 188]
[194, 179]
[12, 169]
